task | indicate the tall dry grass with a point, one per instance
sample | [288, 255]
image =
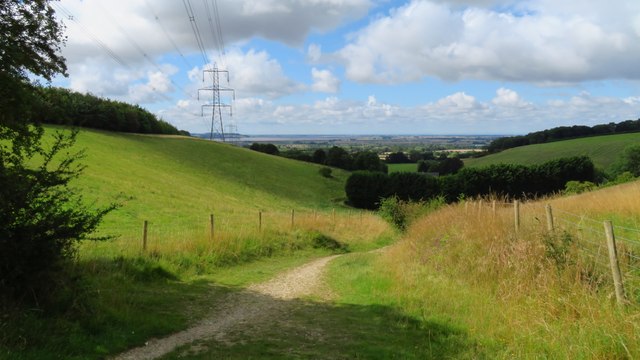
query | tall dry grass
[189, 248]
[516, 294]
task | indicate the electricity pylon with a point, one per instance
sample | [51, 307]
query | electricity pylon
[216, 103]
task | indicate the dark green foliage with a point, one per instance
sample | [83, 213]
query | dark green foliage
[412, 186]
[369, 161]
[265, 148]
[562, 133]
[398, 158]
[65, 107]
[514, 181]
[365, 189]
[42, 218]
[629, 161]
[339, 157]
[319, 156]
[446, 166]
[325, 171]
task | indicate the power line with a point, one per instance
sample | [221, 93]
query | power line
[166, 33]
[86, 31]
[196, 30]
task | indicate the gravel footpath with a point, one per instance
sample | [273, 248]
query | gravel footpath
[246, 308]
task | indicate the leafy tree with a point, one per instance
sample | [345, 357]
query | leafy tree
[41, 217]
[368, 160]
[339, 157]
[629, 161]
[319, 156]
[398, 158]
[265, 148]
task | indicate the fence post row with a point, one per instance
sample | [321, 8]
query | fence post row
[613, 261]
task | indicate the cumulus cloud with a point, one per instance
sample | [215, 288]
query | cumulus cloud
[509, 98]
[534, 41]
[324, 81]
[256, 73]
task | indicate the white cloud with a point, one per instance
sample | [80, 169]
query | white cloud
[314, 53]
[256, 73]
[508, 98]
[324, 81]
[538, 41]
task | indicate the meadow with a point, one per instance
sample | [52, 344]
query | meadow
[526, 294]
[603, 151]
[270, 214]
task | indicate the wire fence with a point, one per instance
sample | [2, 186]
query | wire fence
[611, 256]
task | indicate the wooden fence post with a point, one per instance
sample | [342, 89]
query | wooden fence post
[293, 213]
[550, 226]
[493, 208]
[211, 227]
[334, 216]
[260, 220]
[144, 235]
[516, 213]
[480, 205]
[613, 260]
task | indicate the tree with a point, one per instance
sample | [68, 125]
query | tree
[339, 157]
[319, 156]
[629, 161]
[41, 217]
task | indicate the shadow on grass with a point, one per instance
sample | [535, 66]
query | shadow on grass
[268, 328]
[123, 303]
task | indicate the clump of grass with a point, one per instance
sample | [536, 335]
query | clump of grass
[525, 294]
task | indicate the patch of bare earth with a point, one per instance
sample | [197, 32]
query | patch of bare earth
[249, 309]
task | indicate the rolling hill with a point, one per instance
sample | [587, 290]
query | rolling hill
[176, 181]
[603, 150]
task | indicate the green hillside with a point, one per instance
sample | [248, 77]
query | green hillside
[176, 182]
[603, 150]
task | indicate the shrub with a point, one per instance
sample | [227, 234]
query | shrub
[578, 187]
[325, 171]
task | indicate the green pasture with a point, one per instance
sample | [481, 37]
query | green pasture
[603, 150]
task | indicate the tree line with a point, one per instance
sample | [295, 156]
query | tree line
[65, 107]
[367, 189]
[335, 156]
[563, 133]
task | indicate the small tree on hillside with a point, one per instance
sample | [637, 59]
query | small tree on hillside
[40, 216]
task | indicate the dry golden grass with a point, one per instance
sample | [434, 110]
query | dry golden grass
[467, 264]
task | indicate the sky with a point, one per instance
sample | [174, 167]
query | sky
[361, 66]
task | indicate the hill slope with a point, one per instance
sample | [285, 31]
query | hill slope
[603, 150]
[179, 181]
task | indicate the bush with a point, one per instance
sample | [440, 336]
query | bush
[325, 171]
[365, 189]
[42, 217]
[578, 187]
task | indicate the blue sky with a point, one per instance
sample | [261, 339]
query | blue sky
[364, 66]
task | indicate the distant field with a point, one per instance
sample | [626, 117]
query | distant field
[402, 168]
[603, 150]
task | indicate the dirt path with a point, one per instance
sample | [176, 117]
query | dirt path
[250, 307]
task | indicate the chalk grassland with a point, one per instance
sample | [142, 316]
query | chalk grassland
[603, 150]
[125, 295]
[530, 294]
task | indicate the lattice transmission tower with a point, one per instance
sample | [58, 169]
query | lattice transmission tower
[216, 103]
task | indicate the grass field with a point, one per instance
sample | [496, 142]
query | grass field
[402, 168]
[531, 294]
[603, 150]
[121, 296]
